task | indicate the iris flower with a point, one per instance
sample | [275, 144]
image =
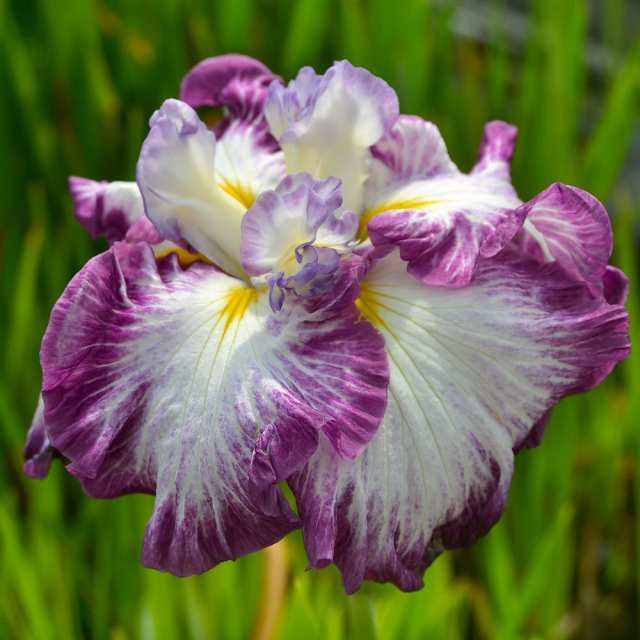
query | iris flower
[312, 292]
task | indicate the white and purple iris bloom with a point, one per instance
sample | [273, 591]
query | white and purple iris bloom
[312, 292]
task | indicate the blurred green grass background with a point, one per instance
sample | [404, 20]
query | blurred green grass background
[78, 81]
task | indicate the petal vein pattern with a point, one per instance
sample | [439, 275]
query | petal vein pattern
[471, 371]
[178, 382]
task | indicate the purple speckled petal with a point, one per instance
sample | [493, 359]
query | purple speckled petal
[236, 82]
[38, 451]
[443, 221]
[181, 382]
[570, 226]
[473, 370]
[106, 209]
[413, 149]
[312, 114]
[496, 150]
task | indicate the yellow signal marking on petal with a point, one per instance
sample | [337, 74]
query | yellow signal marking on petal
[369, 307]
[185, 257]
[399, 205]
[238, 300]
[239, 192]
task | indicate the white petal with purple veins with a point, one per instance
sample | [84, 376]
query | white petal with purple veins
[182, 383]
[472, 371]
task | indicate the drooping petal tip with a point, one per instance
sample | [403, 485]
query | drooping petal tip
[232, 80]
[106, 209]
[38, 451]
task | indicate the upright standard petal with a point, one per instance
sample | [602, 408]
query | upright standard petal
[570, 226]
[326, 124]
[181, 382]
[177, 177]
[443, 221]
[106, 209]
[472, 371]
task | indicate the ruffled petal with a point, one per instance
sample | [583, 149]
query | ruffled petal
[570, 226]
[234, 81]
[326, 124]
[413, 149]
[472, 371]
[443, 221]
[38, 451]
[182, 383]
[106, 209]
[177, 177]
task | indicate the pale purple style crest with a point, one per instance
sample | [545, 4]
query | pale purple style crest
[311, 291]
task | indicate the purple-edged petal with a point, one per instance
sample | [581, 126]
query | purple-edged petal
[234, 81]
[413, 149]
[106, 209]
[443, 221]
[570, 226]
[472, 371]
[182, 383]
[326, 124]
[38, 451]
[177, 177]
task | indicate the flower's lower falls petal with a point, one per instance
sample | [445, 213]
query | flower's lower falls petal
[106, 209]
[236, 82]
[327, 124]
[443, 221]
[570, 226]
[183, 383]
[38, 451]
[473, 370]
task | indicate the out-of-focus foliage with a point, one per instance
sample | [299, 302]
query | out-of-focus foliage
[78, 81]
